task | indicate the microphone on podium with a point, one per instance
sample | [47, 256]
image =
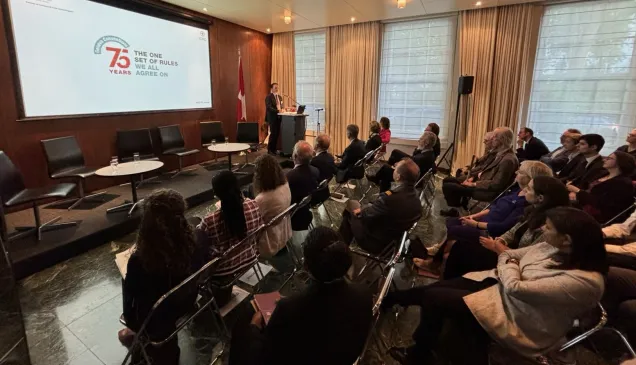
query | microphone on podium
[292, 99]
[319, 109]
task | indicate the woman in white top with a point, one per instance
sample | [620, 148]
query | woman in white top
[527, 304]
[273, 197]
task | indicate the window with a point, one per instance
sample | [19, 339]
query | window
[310, 75]
[415, 75]
[585, 72]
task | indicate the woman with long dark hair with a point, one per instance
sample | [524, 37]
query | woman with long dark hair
[273, 197]
[434, 127]
[527, 304]
[164, 256]
[235, 218]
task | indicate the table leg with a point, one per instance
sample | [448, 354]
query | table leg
[128, 206]
[229, 161]
[134, 188]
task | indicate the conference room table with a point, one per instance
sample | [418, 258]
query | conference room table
[229, 148]
[132, 170]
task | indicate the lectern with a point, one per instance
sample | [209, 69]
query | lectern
[292, 130]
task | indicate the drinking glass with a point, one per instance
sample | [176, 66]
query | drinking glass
[114, 161]
[227, 140]
[214, 142]
[136, 157]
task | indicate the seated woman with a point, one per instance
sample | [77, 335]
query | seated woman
[273, 197]
[610, 195]
[163, 257]
[385, 131]
[235, 218]
[433, 127]
[543, 193]
[374, 140]
[423, 156]
[527, 304]
[328, 323]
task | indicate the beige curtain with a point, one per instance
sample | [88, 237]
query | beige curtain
[352, 76]
[284, 64]
[497, 46]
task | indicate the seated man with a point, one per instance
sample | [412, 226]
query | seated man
[630, 147]
[325, 324]
[481, 162]
[533, 149]
[324, 160]
[487, 184]
[423, 156]
[352, 154]
[376, 226]
[303, 180]
[590, 168]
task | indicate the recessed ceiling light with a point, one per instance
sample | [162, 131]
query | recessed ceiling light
[268, 30]
[353, 19]
[205, 9]
[401, 4]
[478, 3]
[287, 19]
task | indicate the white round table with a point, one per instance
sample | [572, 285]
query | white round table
[131, 169]
[229, 148]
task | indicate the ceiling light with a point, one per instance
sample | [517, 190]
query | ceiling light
[268, 30]
[205, 9]
[401, 4]
[353, 19]
[478, 3]
[287, 19]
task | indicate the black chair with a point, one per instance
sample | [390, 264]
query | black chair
[13, 193]
[319, 197]
[211, 131]
[64, 159]
[172, 143]
[247, 132]
[138, 141]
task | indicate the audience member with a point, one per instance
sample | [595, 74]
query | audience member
[385, 131]
[560, 157]
[542, 193]
[619, 300]
[591, 167]
[324, 160]
[376, 226]
[423, 156]
[235, 218]
[610, 195]
[374, 140]
[352, 154]
[478, 165]
[433, 127]
[527, 304]
[328, 323]
[620, 244]
[163, 257]
[273, 197]
[490, 181]
[303, 180]
[533, 149]
[630, 147]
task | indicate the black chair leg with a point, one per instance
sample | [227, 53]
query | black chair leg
[182, 171]
[81, 197]
[39, 227]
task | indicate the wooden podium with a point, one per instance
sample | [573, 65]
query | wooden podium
[292, 130]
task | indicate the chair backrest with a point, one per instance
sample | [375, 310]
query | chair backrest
[302, 204]
[424, 177]
[624, 214]
[134, 141]
[210, 131]
[321, 194]
[62, 153]
[277, 219]
[366, 158]
[247, 132]
[11, 182]
[170, 137]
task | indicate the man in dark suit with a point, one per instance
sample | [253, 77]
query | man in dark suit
[273, 106]
[352, 154]
[423, 156]
[303, 180]
[324, 160]
[590, 168]
[395, 211]
[327, 323]
[630, 147]
[534, 147]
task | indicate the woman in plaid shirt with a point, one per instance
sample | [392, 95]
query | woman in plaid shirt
[234, 220]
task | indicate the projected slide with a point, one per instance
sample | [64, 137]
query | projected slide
[82, 57]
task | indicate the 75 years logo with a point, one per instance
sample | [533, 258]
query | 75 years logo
[120, 60]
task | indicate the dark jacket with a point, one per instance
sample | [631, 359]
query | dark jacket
[373, 142]
[558, 162]
[303, 180]
[354, 152]
[533, 150]
[480, 164]
[271, 114]
[425, 161]
[388, 217]
[437, 149]
[325, 324]
[325, 164]
[499, 173]
[625, 149]
[607, 199]
[583, 174]
[569, 167]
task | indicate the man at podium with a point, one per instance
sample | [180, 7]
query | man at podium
[273, 106]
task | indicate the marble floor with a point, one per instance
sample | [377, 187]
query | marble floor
[71, 310]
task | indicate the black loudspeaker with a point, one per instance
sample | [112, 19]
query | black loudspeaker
[466, 84]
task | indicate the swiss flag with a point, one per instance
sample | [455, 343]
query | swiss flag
[241, 114]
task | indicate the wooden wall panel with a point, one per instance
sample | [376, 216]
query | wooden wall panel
[96, 135]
